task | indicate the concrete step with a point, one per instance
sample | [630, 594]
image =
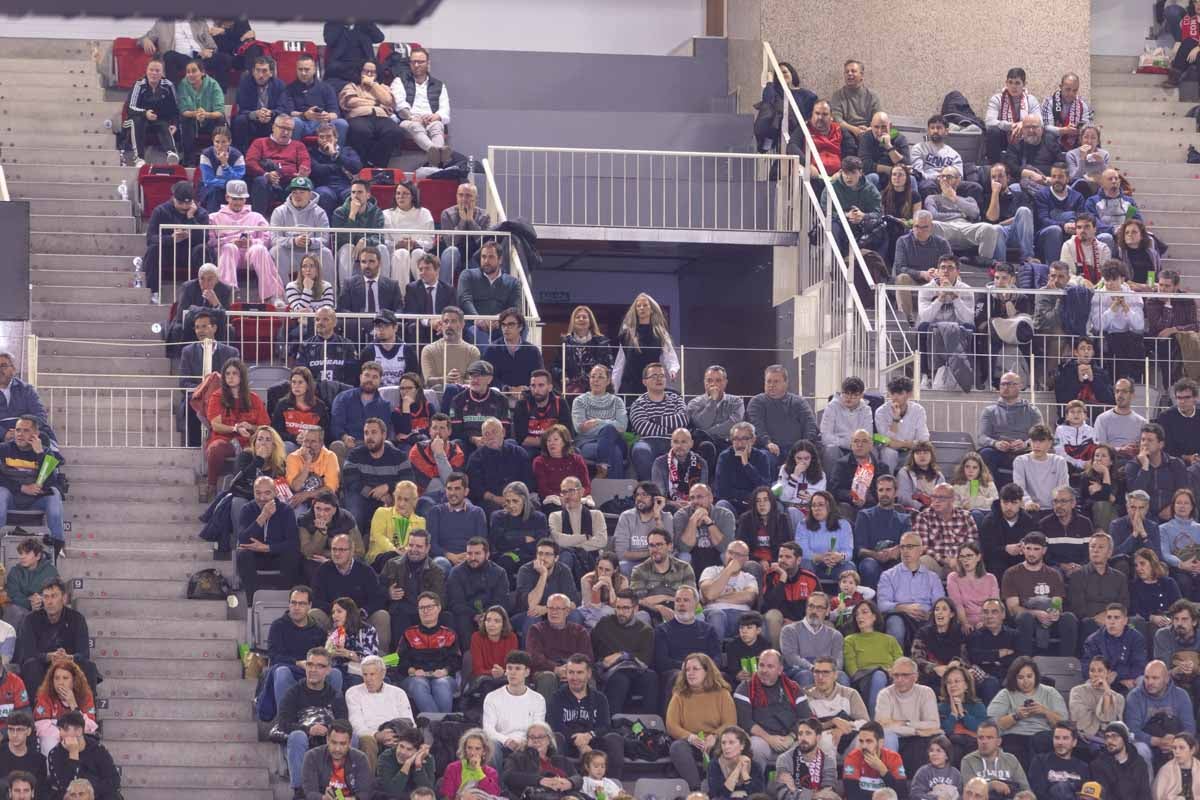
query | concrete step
[167, 689]
[72, 188]
[97, 330]
[193, 649]
[225, 779]
[57, 207]
[103, 512]
[79, 262]
[36, 51]
[91, 294]
[1158, 219]
[120, 730]
[53, 223]
[198, 710]
[1106, 79]
[1169, 202]
[207, 630]
[100, 312]
[66, 95]
[1181, 183]
[113, 244]
[1149, 169]
[118, 532]
[83, 76]
[132, 493]
[100, 139]
[168, 668]
[55, 173]
[81, 277]
[160, 458]
[60, 155]
[1126, 112]
[99, 475]
[86, 536]
[1175, 236]
[103, 575]
[1111, 64]
[1184, 250]
[1105, 94]
[28, 106]
[214, 756]
[160, 613]
[202, 794]
[59, 126]
[107, 366]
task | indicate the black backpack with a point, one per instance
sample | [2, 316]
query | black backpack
[208, 584]
[642, 743]
[446, 733]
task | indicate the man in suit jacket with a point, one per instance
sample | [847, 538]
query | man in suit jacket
[417, 301]
[169, 43]
[367, 293]
[191, 368]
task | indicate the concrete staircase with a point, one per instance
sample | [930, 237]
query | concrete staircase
[1147, 134]
[175, 709]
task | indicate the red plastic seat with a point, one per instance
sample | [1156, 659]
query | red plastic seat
[154, 184]
[254, 336]
[437, 194]
[384, 193]
[287, 53]
[129, 62]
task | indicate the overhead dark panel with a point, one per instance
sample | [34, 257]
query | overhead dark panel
[393, 12]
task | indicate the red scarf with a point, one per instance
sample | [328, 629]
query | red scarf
[681, 485]
[1010, 107]
[758, 693]
[1089, 271]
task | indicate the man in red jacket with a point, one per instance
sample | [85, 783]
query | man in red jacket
[832, 143]
[272, 162]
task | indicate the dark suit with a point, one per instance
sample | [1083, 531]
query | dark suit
[416, 301]
[353, 299]
[191, 363]
[192, 296]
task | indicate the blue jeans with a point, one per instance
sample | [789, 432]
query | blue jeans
[895, 626]
[1172, 17]
[825, 573]
[308, 127]
[1021, 228]
[431, 694]
[1049, 243]
[869, 571]
[643, 453]
[723, 620]
[361, 508]
[451, 263]
[296, 747]
[50, 504]
[879, 679]
[607, 447]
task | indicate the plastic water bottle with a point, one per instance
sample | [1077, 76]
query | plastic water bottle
[139, 275]
[108, 124]
[471, 165]
[123, 192]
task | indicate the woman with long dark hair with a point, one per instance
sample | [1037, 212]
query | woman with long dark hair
[408, 217]
[1152, 592]
[410, 417]
[898, 199]
[916, 479]
[869, 652]
[233, 413]
[1101, 487]
[960, 709]
[1136, 250]
[768, 124]
[351, 640]
[1026, 710]
[764, 527]
[800, 475]
[300, 408]
[826, 538]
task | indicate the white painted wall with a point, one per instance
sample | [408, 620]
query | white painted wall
[1119, 27]
[570, 26]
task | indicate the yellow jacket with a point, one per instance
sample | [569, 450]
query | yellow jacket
[383, 532]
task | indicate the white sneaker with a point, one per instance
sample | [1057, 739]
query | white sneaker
[926, 384]
[172, 157]
[154, 298]
[141, 162]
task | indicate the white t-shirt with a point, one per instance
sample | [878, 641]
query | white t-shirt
[738, 583]
[507, 716]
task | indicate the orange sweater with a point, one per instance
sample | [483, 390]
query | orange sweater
[708, 712]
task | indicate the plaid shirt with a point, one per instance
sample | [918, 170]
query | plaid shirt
[943, 537]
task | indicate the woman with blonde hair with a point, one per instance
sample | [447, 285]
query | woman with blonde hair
[471, 769]
[308, 291]
[64, 688]
[584, 346]
[974, 489]
[266, 455]
[390, 526]
[644, 339]
[701, 704]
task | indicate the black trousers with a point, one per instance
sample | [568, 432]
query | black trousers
[142, 128]
[375, 139]
[249, 563]
[182, 257]
[610, 743]
[625, 683]
[189, 131]
[217, 65]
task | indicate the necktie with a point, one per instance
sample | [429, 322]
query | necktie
[371, 297]
[432, 306]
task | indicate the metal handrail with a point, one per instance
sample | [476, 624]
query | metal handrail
[4, 198]
[496, 207]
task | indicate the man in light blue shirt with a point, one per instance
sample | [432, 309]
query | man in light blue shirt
[908, 590]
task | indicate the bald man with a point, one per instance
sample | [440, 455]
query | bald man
[267, 538]
[881, 148]
[1157, 695]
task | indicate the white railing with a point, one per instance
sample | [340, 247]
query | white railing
[664, 189]
[4, 198]
[95, 416]
[495, 206]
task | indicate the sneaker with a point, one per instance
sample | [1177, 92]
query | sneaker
[926, 383]
[154, 298]
[172, 157]
[139, 163]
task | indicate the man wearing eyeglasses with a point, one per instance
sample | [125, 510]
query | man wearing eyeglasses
[310, 700]
[345, 576]
[943, 528]
[1004, 428]
[908, 590]
[624, 650]
[271, 163]
[654, 417]
[908, 713]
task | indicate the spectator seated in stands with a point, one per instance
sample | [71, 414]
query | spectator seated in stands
[469, 409]
[344, 576]
[353, 407]
[406, 576]
[261, 99]
[1181, 425]
[319, 527]
[600, 419]
[553, 640]
[585, 347]
[494, 463]
[781, 418]
[741, 469]
[858, 197]
[334, 165]
[22, 484]
[918, 254]
[239, 248]
[800, 474]
[1123, 647]
[300, 408]
[1084, 254]
[413, 412]
[943, 528]
[512, 709]
[370, 108]
[406, 765]
[65, 688]
[770, 108]
[302, 209]
[347, 47]
[577, 528]
[1118, 315]
[1095, 587]
[946, 318]
[24, 581]
[430, 658]
[512, 358]
[427, 294]
[154, 108]
[957, 219]
[653, 417]
[805, 765]
[854, 106]
[1067, 533]
[306, 712]
[844, 415]
[1065, 114]
[330, 357]
[53, 633]
[539, 410]
[433, 461]
[877, 531]
[370, 471]
[855, 476]
[870, 767]
[907, 711]
[22, 761]
[464, 215]
[385, 349]
[233, 412]
[992, 646]
[201, 102]
[657, 579]
[729, 590]
[268, 537]
[444, 363]
[204, 292]
[80, 756]
[219, 164]
[311, 469]
[409, 216]
[901, 421]
[1087, 162]
[1007, 111]
[1172, 319]
[336, 766]
[1111, 207]
[1040, 472]
[832, 142]
[1008, 205]
[713, 415]
[454, 523]
[515, 529]
[204, 323]
[700, 699]
[581, 719]
[1181, 23]
[312, 102]
[289, 639]
[882, 148]
[1031, 156]
[907, 591]
[826, 538]
[1004, 428]
[769, 707]
[598, 588]
[359, 212]
[557, 462]
[391, 525]
[178, 247]
[272, 162]
[932, 155]
[1156, 472]
[1034, 593]
[475, 583]
[1157, 699]
[1079, 378]
[423, 106]
[703, 531]
[1056, 206]
[176, 44]
[537, 580]
[624, 649]
[487, 291]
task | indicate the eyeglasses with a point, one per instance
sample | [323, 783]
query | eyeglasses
[428, 607]
[537, 737]
[909, 546]
[822, 672]
[904, 674]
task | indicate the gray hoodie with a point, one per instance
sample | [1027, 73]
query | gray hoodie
[1007, 421]
[310, 216]
[716, 417]
[929, 776]
[960, 209]
[839, 423]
